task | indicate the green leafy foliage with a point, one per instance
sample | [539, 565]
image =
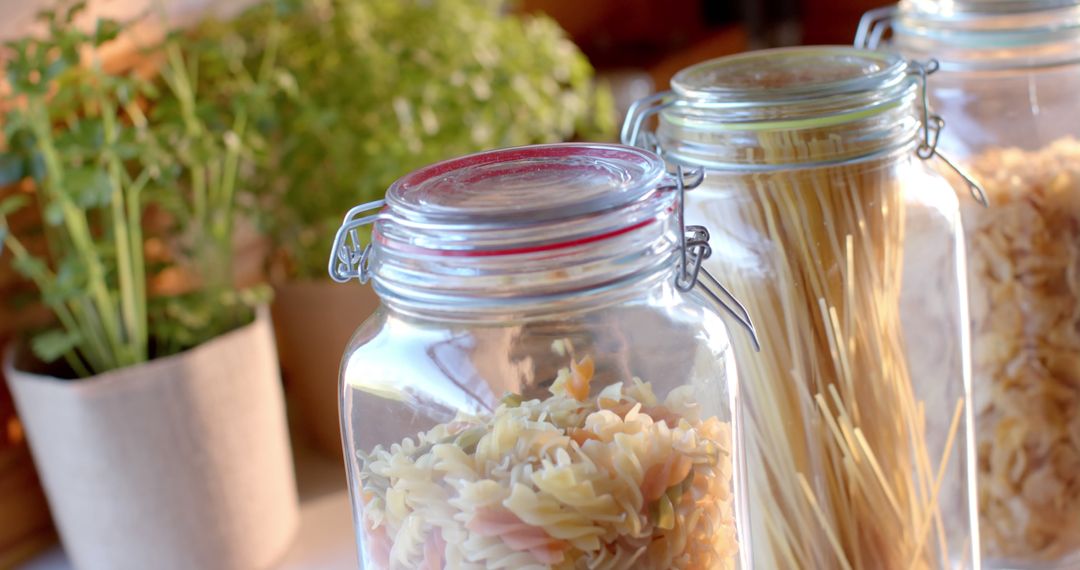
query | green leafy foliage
[368, 90]
[105, 151]
[53, 344]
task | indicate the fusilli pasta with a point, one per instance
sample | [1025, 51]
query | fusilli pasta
[615, 481]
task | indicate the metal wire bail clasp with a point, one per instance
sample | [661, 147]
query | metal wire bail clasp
[352, 260]
[932, 124]
[694, 249]
[873, 26]
[634, 132]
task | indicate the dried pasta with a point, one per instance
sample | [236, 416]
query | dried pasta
[839, 474]
[615, 480]
[1025, 274]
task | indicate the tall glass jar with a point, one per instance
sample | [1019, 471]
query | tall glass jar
[849, 254]
[544, 384]
[1009, 85]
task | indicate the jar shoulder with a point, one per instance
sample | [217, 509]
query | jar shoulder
[669, 341]
[1025, 108]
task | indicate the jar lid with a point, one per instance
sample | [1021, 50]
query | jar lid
[789, 75]
[979, 34]
[776, 87]
[538, 199]
[719, 110]
[955, 8]
[526, 185]
[508, 227]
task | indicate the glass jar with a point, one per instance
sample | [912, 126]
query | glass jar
[1008, 84]
[544, 384]
[849, 254]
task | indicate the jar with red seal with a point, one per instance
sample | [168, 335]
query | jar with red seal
[549, 381]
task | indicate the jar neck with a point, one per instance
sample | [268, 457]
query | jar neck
[818, 133]
[989, 35]
[655, 287]
[581, 272]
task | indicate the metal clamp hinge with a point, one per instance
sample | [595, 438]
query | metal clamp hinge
[634, 132]
[932, 125]
[873, 27]
[694, 248]
[350, 258]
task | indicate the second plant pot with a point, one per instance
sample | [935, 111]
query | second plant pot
[183, 462]
[313, 320]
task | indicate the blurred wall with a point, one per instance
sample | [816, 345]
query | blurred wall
[653, 37]
[834, 21]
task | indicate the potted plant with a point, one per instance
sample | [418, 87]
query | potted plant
[372, 90]
[152, 404]
[25, 524]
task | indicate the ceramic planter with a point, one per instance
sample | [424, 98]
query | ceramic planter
[313, 321]
[180, 463]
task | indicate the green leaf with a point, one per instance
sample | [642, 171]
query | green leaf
[74, 10]
[106, 31]
[70, 281]
[37, 167]
[53, 344]
[29, 267]
[90, 187]
[12, 204]
[11, 169]
[84, 139]
[54, 214]
[55, 68]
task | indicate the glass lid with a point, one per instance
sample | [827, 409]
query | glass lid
[478, 222]
[776, 75]
[995, 26]
[526, 185]
[947, 8]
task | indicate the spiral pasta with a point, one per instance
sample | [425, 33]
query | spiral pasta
[615, 481]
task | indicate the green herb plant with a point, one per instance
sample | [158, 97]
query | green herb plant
[371, 89]
[105, 154]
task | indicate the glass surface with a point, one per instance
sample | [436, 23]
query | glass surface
[531, 492]
[526, 184]
[549, 399]
[782, 74]
[961, 8]
[989, 35]
[1014, 125]
[848, 253]
[852, 274]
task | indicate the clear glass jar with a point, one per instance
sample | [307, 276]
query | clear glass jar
[848, 252]
[541, 386]
[1009, 84]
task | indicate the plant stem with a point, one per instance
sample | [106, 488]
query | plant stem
[68, 320]
[138, 268]
[178, 80]
[125, 249]
[77, 366]
[101, 356]
[78, 228]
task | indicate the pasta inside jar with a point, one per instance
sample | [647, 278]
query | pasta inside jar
[546, 383]
[1024, 255]
[614, 478]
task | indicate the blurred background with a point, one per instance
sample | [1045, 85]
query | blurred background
[635, 46]
[659, 38]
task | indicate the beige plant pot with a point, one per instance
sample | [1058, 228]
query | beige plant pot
[180, 463]
[313, 321]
